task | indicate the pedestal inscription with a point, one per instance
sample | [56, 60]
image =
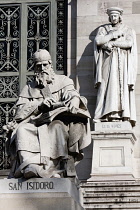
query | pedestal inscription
[116, 126]
[34, 185]
[31, 186]
[39, 193]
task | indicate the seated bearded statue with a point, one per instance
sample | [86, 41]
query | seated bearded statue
[50, 127]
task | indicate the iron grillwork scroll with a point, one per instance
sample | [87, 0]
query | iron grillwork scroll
[6, 114]
[9, 64]
[38, 30]
[9, 38]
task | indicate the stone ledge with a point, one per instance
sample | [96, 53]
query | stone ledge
[39, 193]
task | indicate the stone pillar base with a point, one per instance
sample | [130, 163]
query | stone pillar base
[39, 194]
[112, 152]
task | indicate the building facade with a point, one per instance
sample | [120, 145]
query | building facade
[67, 29]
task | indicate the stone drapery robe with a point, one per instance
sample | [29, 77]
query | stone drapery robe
[116, 75]
[54, 138]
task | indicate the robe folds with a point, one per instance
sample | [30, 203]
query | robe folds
[115, 75]
[49, 134]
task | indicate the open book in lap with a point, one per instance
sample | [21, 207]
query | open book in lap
[61, 111]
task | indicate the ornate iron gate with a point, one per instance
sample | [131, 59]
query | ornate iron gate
[24, 28]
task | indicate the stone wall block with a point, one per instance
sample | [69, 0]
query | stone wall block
[137, 87]
[136, 7]
[86, 8]
[138, 42]
[126, 5]
[84, 46]
[87, 26]
[81, 172]
[86, 84]
[84, 62]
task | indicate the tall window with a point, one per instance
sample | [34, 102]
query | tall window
[24, 28]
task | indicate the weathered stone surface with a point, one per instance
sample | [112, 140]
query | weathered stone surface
[85, 46]
[111, 195]
[136, 7]
[126, 5]
[112, 155]
[138, 40]
[84, 168]
[41, 194]
[85, 8]
[84, 62]
[90, 28]
[37, 185]
[86, 81]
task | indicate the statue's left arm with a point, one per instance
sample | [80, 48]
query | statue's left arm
[72, 98]
[126, 42]
[129, 43]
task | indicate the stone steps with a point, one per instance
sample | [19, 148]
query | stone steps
[111, 195]
[112, 199]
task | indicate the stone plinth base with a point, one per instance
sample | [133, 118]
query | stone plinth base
[112, 152]
[39, 194]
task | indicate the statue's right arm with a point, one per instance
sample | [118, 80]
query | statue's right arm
[26, 108]
[102, 37]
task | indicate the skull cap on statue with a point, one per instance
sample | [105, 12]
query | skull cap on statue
[41, 55]
[116, 10]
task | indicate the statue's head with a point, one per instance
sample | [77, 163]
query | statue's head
[115, 15]
[43, 67]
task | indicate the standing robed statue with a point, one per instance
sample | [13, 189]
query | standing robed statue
[115, 53]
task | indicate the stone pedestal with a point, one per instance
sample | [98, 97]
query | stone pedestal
[113, 144]
[39, 194]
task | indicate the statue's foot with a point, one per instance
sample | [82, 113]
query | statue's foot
[116, 120]
[50, 173]
[100, 120]
[31, 171]
[96, 120]
[18, 173]
[56, 176]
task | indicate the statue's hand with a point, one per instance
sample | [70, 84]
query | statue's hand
[73, 105]
[46, 104]
[116, 34]
[49, 102]
[108, 46]
[10, 126]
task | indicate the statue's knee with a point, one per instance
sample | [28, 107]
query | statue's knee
[57, 124]
[20, 129]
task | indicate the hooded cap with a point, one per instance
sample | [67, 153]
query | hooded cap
[114, 10]
[41, 55]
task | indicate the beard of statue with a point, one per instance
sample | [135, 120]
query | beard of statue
[45, 77]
